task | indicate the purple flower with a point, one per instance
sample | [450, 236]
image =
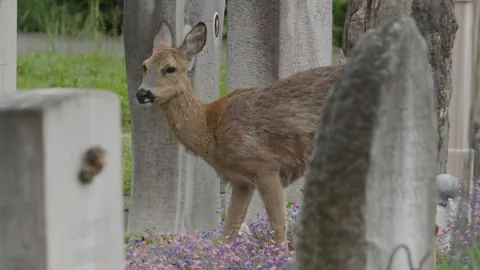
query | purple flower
[204, 250]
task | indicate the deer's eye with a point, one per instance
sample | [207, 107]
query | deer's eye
[170, 69]
[144, 68]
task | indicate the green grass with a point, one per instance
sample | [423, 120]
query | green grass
[127, 165]
[102, 71]
[457, 264]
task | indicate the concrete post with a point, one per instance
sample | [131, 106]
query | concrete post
[51, 218]
[460, 154]
[270, 40]
[8, 45]
[171, 190]
[205, 75]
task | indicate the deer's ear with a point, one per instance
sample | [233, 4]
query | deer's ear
[187, 29]
[194, 41]
[164, 35]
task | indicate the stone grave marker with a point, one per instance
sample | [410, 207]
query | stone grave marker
[55, 213]
[369, 191]
[8, 46]
[172, 191]
[270, 40]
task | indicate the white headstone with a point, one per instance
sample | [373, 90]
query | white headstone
[49, 218]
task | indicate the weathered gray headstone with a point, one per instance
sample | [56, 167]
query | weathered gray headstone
[49, 218]
[8, 45]
[369, 188]
[270, 40]
[171, 190]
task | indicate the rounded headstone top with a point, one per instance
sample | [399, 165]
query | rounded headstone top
[447, 188]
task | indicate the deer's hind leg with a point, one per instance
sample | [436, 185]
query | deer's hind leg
[237, 209]
[272, 194]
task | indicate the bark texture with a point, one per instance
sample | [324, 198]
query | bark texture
[438, 25]
[363, 15]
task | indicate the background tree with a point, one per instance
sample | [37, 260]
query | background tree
[438, 25]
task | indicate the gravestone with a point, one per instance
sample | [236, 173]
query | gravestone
[369, 188]
[270, 40]
[171, 190]
[8, 46]
[54, 215]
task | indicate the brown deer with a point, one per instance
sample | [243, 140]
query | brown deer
[257, 137]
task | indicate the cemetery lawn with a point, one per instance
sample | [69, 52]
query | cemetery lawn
[98, 71]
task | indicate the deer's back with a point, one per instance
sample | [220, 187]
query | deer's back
[273, 127]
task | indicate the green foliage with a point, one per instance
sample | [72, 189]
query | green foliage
[127, 164]
[94, 17]
[223, 77]
[339, 10]
[63, 17]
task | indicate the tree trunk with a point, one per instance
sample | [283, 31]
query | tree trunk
[438, 25]
[363, 15]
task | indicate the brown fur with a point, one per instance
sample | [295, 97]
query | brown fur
[255, 137]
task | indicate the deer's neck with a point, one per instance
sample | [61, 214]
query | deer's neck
[186, 117]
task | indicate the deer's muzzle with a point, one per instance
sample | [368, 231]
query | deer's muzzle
[145, 96]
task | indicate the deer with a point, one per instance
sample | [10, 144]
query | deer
[255, 138]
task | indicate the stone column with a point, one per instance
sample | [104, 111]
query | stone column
[54, 216]
[270, 40]
[171, 190]
[460, 154]
[205, 185]
[8, 46]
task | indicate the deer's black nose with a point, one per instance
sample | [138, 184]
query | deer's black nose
[145, 96]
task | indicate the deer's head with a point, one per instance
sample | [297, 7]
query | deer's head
[165, 71]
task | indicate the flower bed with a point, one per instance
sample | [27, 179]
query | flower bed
[204, 250]
[459, 241]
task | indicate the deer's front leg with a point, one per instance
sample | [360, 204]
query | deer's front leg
[237, 209]
[271, 191]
